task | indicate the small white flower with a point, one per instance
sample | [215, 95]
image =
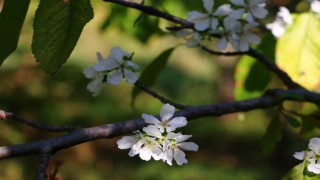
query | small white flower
[95, 85]
[192, 37]
[119, 61]
[167, 123]
[204, 21]
[281, 23]
[313, 155]
[315, 6]
[252, 8]
[247, 37]
[111, 70]
[173, 146]
[145, 146]
[229, 33]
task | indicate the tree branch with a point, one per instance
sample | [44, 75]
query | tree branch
[78, 136]
[37, 125]
[43, 165]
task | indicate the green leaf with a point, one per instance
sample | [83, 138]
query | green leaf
[57, 27]
[292, 120]
[151, 72]
[298, 51]
[273, 135]
[11, 20]
[251, 76]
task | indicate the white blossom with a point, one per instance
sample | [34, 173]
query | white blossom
[119, 61]
[281, 23]
[252, 9]
[312, 155]
[246, 37]
[192, 38]
[204, 21]
[166, 123]
[145, 146]
[111, 70]
[157, 140]
[229, 33]
[315, 6]
[95, 85]
[173, 148]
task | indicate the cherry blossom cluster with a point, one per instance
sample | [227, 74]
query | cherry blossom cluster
[284, 19]
[312, 155]
[158, 141]
[230, 23]
[282, 22]
[111, 70]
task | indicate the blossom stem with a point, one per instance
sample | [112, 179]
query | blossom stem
[164, 100]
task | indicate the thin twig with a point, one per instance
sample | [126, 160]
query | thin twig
[164, 100]
[153, 12]
[274, 68]
[40, 126]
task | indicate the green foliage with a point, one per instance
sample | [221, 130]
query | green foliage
[11, 20]
[251, 76]
[152, 71]
[57, 27]
[273, 135]
[300, 47]
[300, 172]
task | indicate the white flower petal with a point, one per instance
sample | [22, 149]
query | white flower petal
[150, 119]
[314, 145]
[166, 112]
[238, 2]
[237, 14]
[259, 12]
[126, 142]
[208, 5]
[299, 155]
[194, 16]
[130, 76]
[223, 10]
[115, 78]
[89, 72]
[202, 25]
[95, 85]
[152, 130]
[176, 123]
[181, 137]
[189, 146]
[222, 43]
[179, 156]
[145, 153]
[117, 54]
[315, 168]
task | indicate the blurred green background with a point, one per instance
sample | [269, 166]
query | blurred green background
[230, 146]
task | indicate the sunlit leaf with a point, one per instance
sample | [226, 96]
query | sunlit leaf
[152, 71]
[273, 135]
[298, 51]
[11, 20]
[57, 27]
[251, 76]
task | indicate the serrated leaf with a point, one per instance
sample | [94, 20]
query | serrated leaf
[251, 76]
[273, 135]
[298, 51]
[151, 72]
[11, 20]
[57, 27]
